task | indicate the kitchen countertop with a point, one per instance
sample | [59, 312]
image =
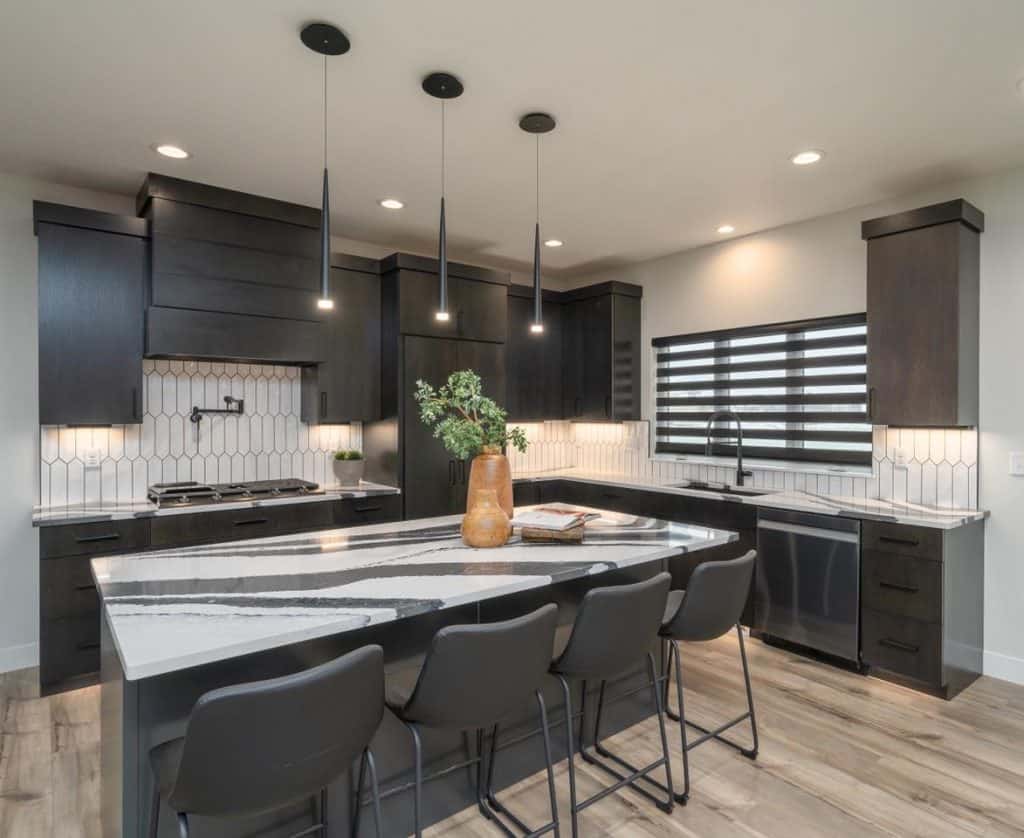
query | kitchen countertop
[83, 513]
[900, 512]
[175, 609]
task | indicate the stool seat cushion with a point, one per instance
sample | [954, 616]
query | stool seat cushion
[165, 759]
[675, 600]
[396, 696]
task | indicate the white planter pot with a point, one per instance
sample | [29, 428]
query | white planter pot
[349, 472]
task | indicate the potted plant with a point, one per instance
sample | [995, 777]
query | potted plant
[348, 467]
[469, 424]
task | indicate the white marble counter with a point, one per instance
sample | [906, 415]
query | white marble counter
[83, 513]
[900, 512]
[175, 609]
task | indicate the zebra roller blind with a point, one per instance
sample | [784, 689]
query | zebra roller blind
[800, 389]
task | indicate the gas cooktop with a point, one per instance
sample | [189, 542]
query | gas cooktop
[192, 493]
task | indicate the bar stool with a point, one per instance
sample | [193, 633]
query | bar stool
[709, 608]
[614, 629]
[474, 676]
[253, 748]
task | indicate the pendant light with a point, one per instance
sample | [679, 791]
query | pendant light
[325, 39]
[537, 124]
[442, 86]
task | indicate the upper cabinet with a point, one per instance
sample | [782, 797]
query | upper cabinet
[534, 390]
[922, 311]
[92, 277]
[234, 276]
[345, 386]
[601, 352]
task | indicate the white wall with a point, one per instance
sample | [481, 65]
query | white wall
[817, 268]
[19, 408]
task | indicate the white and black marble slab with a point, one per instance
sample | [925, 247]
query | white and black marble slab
[84, 513]
[875, 509]
[175, 609]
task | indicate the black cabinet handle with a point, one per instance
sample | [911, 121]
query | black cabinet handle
[323, 404]
[895, 586]
[89, 587]
[871, 402]
[85, 647]
[608, 406]
[91, 539]
[451, 472]
[135, 402]
[368, 508]
[248, 522]
[899, 645]
[462, 471]
[909, 542]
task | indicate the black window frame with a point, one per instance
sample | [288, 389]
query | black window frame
[795, 408]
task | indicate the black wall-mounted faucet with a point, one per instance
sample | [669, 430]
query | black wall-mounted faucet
[197, 412]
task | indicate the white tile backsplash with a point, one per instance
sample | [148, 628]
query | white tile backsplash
[268, 441]
[941, 469]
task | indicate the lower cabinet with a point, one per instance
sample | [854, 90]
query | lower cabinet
[69, 605]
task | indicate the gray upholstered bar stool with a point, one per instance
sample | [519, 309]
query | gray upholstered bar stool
[253, 748]
[473, 677]
[615, 628]
[709, 608]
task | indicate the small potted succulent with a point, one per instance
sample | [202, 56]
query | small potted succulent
[348, 467]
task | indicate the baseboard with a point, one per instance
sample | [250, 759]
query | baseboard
[19, 657]
[1004, 667]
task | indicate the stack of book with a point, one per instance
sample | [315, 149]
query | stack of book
[553, 523]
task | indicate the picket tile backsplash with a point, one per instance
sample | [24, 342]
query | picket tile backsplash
[940, 466]
[269, 441]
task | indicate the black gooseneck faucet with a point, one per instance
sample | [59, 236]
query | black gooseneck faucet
[728, 414]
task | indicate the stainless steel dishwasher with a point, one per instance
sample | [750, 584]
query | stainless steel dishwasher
[808, 581]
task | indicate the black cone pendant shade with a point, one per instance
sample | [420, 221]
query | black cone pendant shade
[537, 124]
[442, 86]
[326, 40]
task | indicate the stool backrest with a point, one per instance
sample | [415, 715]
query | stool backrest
[715, 597]
[255, 747]
[615, 626]
[474, 675]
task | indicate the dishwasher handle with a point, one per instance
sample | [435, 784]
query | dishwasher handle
[813, 532]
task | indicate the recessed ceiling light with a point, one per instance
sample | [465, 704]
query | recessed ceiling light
[553, 243]
[806, 158]
[726, 228]
[391, 203]
[172, 151]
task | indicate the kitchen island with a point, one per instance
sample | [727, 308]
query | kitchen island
[178, 623]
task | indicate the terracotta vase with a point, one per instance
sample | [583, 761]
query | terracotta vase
[490, 470]
[485, 524]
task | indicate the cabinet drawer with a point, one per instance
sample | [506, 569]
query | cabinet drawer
[67, 588]
[202, 527]
[923, 542]
[93, 539]
[902, 645]
[352, 512]
[314, 515]
[68, 648]
[902, 586]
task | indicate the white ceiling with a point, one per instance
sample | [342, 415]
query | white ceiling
[674, 117]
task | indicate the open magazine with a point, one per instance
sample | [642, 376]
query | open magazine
[553, 518]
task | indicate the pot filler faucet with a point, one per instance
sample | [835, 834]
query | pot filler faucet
[728, 414]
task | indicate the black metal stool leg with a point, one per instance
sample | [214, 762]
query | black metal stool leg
[417, 805]
[375, 791]
[323, 810]
[550, 765]
[750, 753]
[660, 709]
[570, 750]
[183, 825]
[154, 811]
[685, 796]
[357, 805]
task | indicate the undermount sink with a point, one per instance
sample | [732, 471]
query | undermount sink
[719, 488]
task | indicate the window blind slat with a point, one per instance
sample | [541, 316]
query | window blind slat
[817, 369]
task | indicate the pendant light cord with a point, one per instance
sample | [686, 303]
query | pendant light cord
[442, 149]
[537, 137]
[325, 111]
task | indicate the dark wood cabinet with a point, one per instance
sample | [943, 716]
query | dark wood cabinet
[345, 385]
[534, 360]
[434, 482]
[922, 604]
[923, 304]
[601, 352]
[92, 275]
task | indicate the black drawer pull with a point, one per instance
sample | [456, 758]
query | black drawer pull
[895, 586]
[368, 508]
[89, 587]
[611, 495]
[909, 542]
[899, 645]
[248, 522]
[85, 647]
[89, 539]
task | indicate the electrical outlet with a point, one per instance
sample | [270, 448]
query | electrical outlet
[92, 458]
[902, 458]
[1017, 463]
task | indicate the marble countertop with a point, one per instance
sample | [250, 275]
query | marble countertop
[83, 513]
[893, 511]
[175, 609]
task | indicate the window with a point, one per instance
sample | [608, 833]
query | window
[799, 388]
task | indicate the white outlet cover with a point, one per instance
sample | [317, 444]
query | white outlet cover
[92, 458]
[902, 458]
[1017, 463]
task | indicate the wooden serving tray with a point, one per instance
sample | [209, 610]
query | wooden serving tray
[573, 535]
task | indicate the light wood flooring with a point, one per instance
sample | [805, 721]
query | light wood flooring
[841, 755]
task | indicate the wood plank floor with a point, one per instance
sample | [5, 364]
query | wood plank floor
[841, 755]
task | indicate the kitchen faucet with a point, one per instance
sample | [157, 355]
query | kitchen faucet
[728, 414]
